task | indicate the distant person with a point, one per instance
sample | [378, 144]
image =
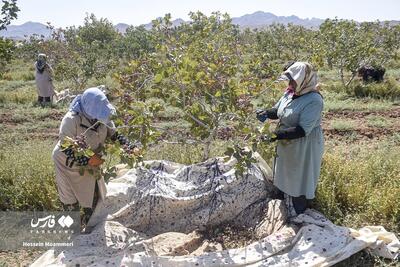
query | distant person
[371, 73]
[299, 136]
[44, 80]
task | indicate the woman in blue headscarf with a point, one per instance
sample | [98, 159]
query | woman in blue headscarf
[89, 115]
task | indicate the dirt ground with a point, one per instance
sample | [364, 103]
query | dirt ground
[362, 129]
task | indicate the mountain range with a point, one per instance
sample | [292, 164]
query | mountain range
[257, 19]
[23, 31]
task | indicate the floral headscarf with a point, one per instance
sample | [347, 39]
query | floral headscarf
[304, 76]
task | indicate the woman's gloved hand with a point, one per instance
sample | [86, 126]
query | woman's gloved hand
[95, 161]
[268, 138]
[261, 115]
[132, 148]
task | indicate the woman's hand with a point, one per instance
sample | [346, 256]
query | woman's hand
[137, 151]
[268, 138]
[95, 161]
[261, 115]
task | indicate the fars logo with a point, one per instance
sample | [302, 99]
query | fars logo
[50, 222]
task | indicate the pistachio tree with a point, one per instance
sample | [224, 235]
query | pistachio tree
[205, 69]
[9, 10]
[347, 44]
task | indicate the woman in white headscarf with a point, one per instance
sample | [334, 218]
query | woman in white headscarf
[44, 80]
[89, 115]
[299, 135]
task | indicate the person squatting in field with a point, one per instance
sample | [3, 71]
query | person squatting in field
[88, 117]
[299, 135]
[44, 80]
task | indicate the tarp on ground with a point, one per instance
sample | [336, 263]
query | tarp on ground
[151, 216]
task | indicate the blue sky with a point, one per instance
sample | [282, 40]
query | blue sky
[63, 13]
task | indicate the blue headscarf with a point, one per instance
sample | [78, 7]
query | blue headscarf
[93, 104]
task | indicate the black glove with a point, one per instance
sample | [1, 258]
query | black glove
[71, 159]
[122, 140]
[267, 138]
[290, 133]
[261, 115]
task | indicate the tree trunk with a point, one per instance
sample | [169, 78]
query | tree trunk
[206, 153]
[342, 77]
[212, 137]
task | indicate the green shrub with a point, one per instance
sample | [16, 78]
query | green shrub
[343, 125]
[378, 121]
[184, 153]
[335, 101]
[20, 92]
[27, 76]
[19, 70]
[333, 86]
[363, 189]
[388, 89]
[27, 177]
[19, 97]
[19, 76]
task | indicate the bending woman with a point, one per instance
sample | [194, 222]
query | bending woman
[299, 136]
[88, 114]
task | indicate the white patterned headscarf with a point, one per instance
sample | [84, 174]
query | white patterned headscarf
[304, 76]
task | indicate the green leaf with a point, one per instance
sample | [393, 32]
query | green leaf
[246, 130]
[158, 78]
[229, 151]
[89, 153]
[254, 146]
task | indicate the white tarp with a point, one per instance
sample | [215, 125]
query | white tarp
[149, 212]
